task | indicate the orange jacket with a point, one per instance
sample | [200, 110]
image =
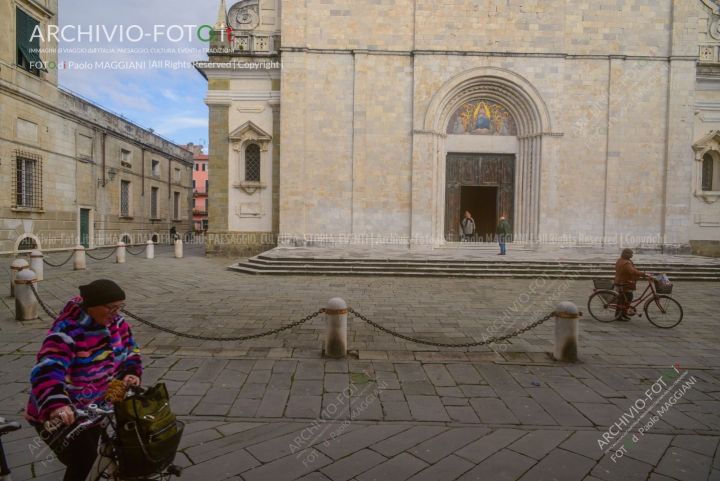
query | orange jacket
[626, 274]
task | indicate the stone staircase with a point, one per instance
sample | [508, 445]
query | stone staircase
[476, 268]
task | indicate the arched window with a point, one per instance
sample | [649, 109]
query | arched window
[708, 173]
[27, 244]
[252, 163]
[126, 239]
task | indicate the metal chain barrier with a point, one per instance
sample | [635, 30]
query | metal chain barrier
[214, 338]
[491, 340]
[45, 307]
[87, 253]
[72, 253]
[127, 249]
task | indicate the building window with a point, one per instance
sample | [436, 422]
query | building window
[156, 168]
[197, 167]
[176, 205]
[207, 183]
[124, 198]
[27, 181]
[204, 166]
[204, 224]
[154, 203]
[178, 175]
[27, 244]
[252, 163]
[125, 158]
[709, 169]
[28, 48]
[193, 203]
[194, 188]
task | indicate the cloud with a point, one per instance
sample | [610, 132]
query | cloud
[168, 100]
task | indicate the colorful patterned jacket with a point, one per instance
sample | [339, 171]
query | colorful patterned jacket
[77, 361]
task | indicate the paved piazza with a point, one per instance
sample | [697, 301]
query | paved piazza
[274, 409]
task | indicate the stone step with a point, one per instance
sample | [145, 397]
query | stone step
[263, 259]
[518, 272]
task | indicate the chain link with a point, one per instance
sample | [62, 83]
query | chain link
[214, 338]
[491, 340]
[62, 263]
[136, 253]
[101, 258]
[45, 307]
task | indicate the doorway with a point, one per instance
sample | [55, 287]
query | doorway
[85, 227]
[482, 202]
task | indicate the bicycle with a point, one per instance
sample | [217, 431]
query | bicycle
[663, 311]
[108, 464]
[5, 428]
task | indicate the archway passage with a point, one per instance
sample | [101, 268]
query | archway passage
[486, 111]
[483, 184]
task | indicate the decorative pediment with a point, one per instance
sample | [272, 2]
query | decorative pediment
[710, 142]
[249, 132]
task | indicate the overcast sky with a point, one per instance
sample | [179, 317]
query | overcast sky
[168, 100]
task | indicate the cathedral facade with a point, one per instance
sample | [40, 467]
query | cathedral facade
[384, 121]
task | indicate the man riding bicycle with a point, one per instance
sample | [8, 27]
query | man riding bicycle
[88, 346]
[626, 277]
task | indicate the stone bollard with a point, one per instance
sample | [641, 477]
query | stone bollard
[120, 253]
[79, 261]
[26, 305]
[178, 248]
[37, 264]
[150, 250]
[566, 332]
[336, 315]
[16, 266]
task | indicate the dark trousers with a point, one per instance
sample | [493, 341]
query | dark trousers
[629, 295]
[77, 454]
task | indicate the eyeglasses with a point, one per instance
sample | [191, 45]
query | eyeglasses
[115, 308]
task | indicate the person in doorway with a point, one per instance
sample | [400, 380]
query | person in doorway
[88, 346]
[626, 277]
[503, 231]
[467, 227]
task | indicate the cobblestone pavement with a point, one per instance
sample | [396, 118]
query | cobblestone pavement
[273, 409]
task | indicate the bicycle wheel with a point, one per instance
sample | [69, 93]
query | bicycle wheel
[664, 311]
[603, 305]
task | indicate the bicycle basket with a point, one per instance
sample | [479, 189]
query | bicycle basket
[144, 458]
[603, 283]
[663, 288]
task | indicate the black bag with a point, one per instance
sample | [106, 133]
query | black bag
[148, 434]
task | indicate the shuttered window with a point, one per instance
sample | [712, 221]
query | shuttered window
[28, 48]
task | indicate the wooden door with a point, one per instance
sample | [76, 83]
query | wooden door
[480, 170]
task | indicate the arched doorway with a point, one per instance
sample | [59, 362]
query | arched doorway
[481, 149]
[514, 112]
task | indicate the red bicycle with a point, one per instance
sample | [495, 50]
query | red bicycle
[608, 305]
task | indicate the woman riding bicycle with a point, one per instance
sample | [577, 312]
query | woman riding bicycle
[626, 277]
[88, 346]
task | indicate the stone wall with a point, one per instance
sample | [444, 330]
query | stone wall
[615, 160]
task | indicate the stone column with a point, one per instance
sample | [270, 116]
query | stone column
[16, 266]
[26, 305]
[120, 253]
[79, 261]
[336, 319]
[218, 163]
[566, 332]
[37, 264]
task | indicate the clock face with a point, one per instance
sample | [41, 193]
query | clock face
[243, 16]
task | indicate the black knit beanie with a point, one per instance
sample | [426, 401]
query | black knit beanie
[101, 291]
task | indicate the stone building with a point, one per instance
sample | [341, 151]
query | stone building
[200, 186]
[72, 171]
[584, 122]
